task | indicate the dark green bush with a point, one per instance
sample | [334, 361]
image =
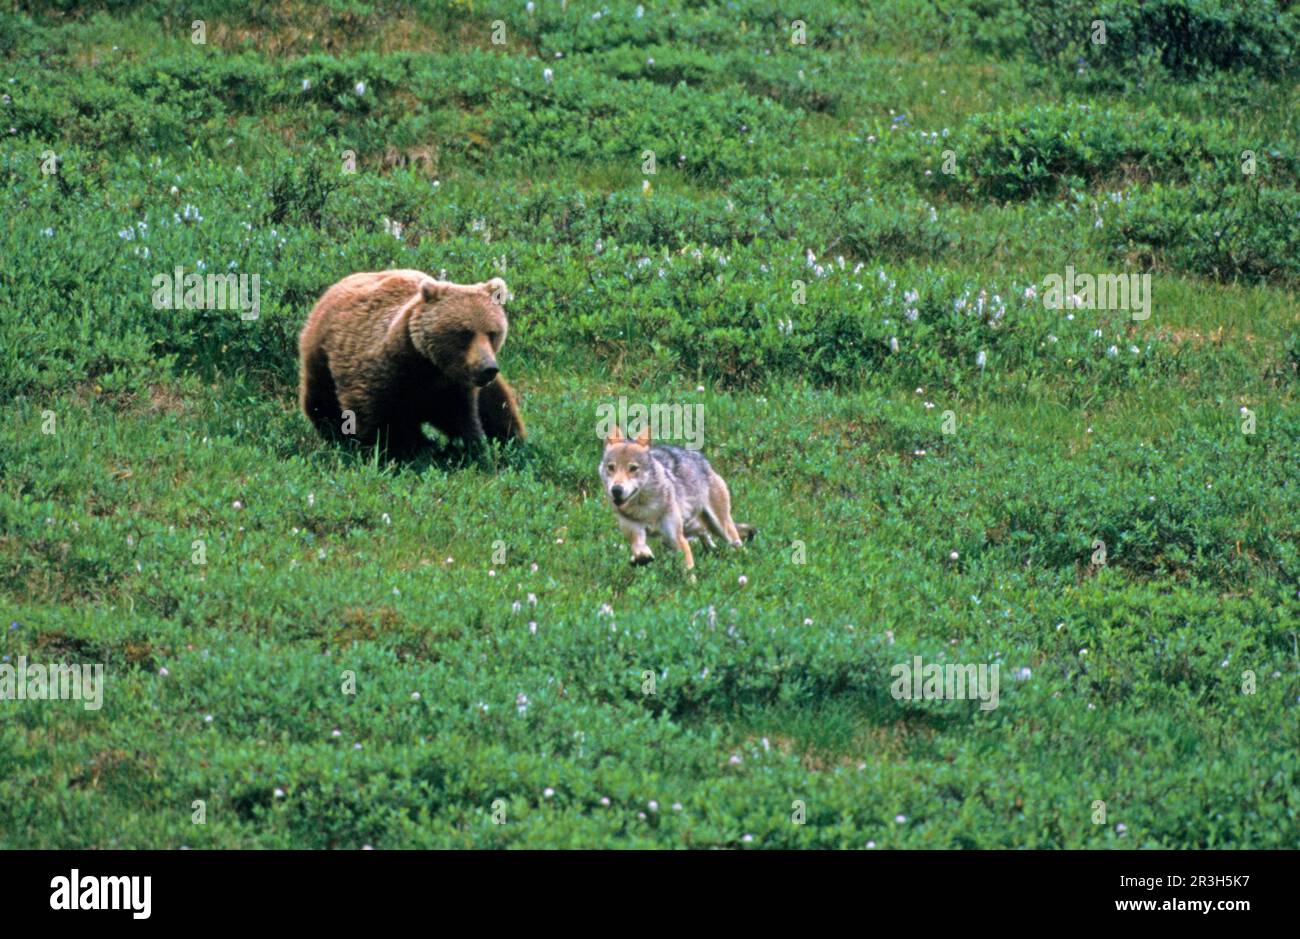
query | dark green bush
[1043, 150]
[1238, 232]
[1144, 41]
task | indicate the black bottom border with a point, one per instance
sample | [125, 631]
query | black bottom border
[332, 889]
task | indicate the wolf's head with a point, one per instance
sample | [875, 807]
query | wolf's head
[624, 465]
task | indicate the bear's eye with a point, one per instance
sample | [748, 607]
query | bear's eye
[492, 338]
[466, 336]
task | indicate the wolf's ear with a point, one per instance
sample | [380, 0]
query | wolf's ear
[643, 438]
[432, 290]
[615, 436]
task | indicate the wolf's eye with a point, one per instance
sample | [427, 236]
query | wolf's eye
[610, 467]
[633, 468]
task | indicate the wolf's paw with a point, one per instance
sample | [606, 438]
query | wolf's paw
[639, 559]
[746, 532]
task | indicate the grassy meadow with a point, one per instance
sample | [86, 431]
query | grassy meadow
[830, 227]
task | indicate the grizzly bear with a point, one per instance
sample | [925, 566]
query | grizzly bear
[383, 353]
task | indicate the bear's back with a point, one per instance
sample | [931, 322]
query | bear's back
[352, 318]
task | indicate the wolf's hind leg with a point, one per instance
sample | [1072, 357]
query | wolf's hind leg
[719, 510]
[695, 529]
[712, 526]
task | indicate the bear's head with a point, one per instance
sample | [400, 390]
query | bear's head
[460, 328]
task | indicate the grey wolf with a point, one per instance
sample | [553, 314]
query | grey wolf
[668, 492]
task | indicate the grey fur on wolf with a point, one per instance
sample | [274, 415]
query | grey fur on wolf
[666, 491]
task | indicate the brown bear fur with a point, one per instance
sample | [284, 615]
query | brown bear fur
[399, 349]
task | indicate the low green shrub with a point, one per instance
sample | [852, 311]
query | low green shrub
[1240, 232]
[1049, 149]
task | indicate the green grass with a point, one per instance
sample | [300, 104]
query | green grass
[498, 589]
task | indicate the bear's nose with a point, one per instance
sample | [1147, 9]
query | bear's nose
[486, 374]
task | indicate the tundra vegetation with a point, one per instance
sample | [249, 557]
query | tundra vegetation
[839, 256]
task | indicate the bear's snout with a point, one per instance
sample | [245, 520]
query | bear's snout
[481, 364]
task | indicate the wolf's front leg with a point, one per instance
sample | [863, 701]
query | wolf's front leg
[635, 534]
[674, 531]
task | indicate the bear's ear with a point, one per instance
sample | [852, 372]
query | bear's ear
[496, 288]
[432, 290]
[643, 438]
[615, 436]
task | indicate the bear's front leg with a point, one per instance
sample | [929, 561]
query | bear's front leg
[454, 411]
[472, 428]
[402, 438]
[498, 412]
